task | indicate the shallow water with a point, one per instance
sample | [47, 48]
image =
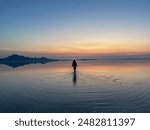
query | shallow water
[97, 86]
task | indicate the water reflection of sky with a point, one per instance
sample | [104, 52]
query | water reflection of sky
[117, 67]
[97, 86]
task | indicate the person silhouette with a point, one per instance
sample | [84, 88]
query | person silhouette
[74, 65]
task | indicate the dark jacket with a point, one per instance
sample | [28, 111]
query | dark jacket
[74, 63]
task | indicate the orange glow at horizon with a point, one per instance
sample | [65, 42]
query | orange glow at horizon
[77, 49]
[93, 49]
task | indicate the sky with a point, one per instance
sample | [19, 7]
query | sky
[75, 28]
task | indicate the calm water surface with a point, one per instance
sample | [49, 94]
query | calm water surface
[97, 86]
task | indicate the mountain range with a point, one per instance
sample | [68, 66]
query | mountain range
[18, 60]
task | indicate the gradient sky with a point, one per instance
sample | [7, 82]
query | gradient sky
[74, 28]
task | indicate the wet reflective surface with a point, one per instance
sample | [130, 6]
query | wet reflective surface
[96, 86]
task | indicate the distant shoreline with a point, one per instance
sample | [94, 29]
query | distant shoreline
[21, 58]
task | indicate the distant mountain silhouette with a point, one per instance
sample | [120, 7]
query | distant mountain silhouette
[17, 60]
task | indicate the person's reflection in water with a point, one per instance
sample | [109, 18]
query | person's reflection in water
[74, 78]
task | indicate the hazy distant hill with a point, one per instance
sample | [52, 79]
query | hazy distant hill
[17, 60]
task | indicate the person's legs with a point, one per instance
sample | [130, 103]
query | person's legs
[74, 67]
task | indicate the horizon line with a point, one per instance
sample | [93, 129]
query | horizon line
[104, 57]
